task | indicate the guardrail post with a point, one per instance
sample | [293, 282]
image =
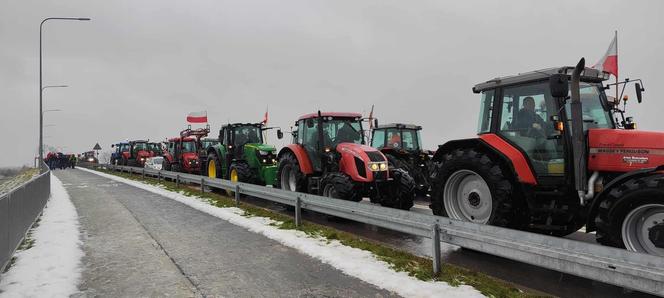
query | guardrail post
[435, 239]
[298, 211]
[159, 175]
[237, 195]
[143, 173]
[177, 180]
[202, 185]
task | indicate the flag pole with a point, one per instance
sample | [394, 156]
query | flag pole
[616, 37]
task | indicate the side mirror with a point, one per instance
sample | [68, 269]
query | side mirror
[639, 97]
[559, 85]
[280, 134]
[375, 123]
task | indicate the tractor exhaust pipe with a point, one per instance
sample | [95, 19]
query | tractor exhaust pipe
[578, 137]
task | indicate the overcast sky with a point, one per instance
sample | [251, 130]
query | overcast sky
[139, 67]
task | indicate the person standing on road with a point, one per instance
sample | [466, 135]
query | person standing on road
[72, 161]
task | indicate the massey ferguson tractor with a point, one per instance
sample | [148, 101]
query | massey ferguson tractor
[548, 162]
[328, 157]
[402, 145]
[240, 155]
[133, 153]
[181, 153]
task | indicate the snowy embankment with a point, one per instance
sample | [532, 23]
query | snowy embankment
[51, 267]
[352, 261]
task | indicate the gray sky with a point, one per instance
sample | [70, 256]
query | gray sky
[139, 67]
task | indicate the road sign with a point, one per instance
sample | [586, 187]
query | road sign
[97, 147]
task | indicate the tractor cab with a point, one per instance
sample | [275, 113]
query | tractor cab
[181, 155]
[397, 137]
[322, 134]
[522, 111]
[155, 149]
[139, 152]
[235, 137]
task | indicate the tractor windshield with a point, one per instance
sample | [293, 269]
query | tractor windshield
[342, 130]
[247, 135]
[188, 146]
[595, 111]
[140, 146]
[154, 147]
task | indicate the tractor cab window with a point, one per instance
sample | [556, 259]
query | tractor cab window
[154, 147]
[595, 111]
[140, 146]
[403, 139]
[378, 138]
[247, 135]
[337, 131]
[486, 112]
[124, 148]
[524, 121]
[188, 146]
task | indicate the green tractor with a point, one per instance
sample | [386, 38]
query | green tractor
[241, 155]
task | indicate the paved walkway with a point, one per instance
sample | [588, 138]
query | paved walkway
[139, 244]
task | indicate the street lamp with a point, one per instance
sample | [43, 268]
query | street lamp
[53, 86]
[41, 86]
[52, 110]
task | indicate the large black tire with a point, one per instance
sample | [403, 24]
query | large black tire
[420, 177]
[503, 205]
[340, 186]
[243, 172]
[132, 162]
[620, 201]
[217, 165]
[288, 164]
[400, 192]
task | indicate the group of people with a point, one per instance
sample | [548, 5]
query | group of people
[60, 161]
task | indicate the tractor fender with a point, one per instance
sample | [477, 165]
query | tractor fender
[594, 207]
[301, 155]
[498, 148]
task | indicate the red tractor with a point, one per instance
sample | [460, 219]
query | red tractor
[548, 162]
[181, 153]
[328, 157]
[133, 153]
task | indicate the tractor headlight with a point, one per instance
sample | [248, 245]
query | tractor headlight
[90, 159]
[378, 166]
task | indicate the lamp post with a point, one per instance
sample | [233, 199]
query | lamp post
[41, 86]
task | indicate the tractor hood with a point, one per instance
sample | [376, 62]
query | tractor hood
[361, 151]
[261, 147]
[617, 150]
[143, 153]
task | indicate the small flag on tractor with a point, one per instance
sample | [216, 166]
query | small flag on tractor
[197, 117]
[265, 118]
[609, 63]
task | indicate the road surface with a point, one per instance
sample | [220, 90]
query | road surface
[140, 244]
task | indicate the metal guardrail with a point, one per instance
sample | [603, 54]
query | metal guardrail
[19, 209]
[619, 267]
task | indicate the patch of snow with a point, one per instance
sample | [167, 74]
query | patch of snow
[352, 261]
[51, 268]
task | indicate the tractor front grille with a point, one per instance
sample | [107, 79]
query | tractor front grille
[375, 156]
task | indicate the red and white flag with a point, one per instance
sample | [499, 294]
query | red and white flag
[609, 63]
[265, 118]
[197, 117]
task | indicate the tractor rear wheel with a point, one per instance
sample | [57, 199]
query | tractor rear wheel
[289, 176]
[632, 216]
[400, 192]
[166, 165]
[212, 169]
[340, 186]
[469, 186]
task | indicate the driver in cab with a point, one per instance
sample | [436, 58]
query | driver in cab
[528, 120]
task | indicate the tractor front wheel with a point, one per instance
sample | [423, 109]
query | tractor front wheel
[632, 216]
[240, 172]
[469, 186]
[400, 192]
[289, 176]
[340, 186]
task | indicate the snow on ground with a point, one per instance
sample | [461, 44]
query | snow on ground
[51, 268]
[352, 261]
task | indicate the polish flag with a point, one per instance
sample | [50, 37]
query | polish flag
[609, 62]
[197, 117]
